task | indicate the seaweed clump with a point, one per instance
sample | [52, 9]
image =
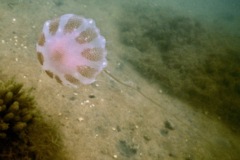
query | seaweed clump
[17, 111]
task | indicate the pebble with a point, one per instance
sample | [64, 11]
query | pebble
[13, 20]
[80, 119]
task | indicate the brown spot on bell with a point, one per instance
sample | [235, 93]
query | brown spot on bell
[40, 57]
[73, 23]
[41, 40]
[71, 79]
[86, 36]
[53, 27]
[93, 54]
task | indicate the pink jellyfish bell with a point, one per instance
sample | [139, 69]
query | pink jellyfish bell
[71, 50]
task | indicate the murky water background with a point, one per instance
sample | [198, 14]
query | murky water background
[175, 88]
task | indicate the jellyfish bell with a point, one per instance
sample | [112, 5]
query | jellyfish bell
[72, 50]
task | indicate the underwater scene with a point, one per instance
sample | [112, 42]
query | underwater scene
[119, 79]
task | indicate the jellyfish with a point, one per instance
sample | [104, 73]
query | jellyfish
[71, 50]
